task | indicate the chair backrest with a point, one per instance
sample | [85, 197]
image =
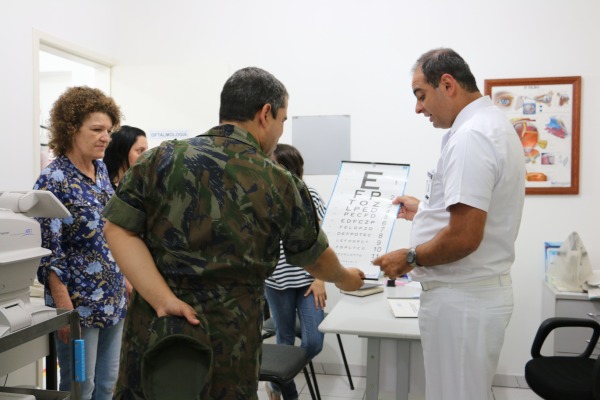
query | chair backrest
[564, 377]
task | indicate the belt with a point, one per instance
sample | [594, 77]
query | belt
[499, 280]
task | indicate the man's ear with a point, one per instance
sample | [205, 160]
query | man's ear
[448, 84]
[265, 114]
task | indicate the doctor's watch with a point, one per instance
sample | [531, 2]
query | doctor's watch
[411, 257]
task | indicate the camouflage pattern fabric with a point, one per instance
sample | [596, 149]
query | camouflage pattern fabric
[212, 211]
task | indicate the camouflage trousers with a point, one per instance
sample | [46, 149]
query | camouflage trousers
[232, 319]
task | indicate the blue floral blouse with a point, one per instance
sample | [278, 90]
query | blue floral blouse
[80, 255]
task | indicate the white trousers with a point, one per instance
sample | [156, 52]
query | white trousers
[462, 332]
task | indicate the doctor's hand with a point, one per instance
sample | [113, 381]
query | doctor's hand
[393, 264]
[408, 208]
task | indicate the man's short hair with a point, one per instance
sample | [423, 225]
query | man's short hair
[438, 62]
[247, 91]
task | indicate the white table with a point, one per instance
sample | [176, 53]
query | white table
[370, 317]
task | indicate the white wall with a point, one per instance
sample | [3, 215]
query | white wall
[335, 57]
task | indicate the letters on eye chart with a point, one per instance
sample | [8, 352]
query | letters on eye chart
[360, 214]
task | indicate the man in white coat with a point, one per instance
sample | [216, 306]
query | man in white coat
[462, 242]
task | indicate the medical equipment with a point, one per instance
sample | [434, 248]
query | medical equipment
[20, 255]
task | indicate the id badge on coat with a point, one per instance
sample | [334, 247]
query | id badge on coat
[428, 185]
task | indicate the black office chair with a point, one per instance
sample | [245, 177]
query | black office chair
[269, 330]
[281, 363]
[564, 377]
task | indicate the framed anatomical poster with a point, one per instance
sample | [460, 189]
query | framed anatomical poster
[545, 114]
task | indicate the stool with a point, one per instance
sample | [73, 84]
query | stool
[281, 363]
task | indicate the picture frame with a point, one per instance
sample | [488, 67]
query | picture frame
[546, 115]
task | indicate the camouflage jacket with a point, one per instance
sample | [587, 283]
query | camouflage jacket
[213, 209]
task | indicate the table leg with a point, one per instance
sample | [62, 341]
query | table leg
[51, 370]
[403, 369]
[373, 357]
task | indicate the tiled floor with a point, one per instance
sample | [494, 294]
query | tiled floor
[334, 387]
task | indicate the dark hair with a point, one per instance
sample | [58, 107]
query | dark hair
[71, 109]
[116, 155]
[441, 61]
[290, 157]
[247, 91]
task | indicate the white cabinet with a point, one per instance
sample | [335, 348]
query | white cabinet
[35, 339]
[568, 341]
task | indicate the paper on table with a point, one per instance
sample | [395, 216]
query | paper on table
[404, 308]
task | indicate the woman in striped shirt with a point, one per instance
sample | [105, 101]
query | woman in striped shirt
[290, 290]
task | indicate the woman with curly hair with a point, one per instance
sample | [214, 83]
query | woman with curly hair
[81, 273]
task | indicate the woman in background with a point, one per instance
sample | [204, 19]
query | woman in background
[81, 273]
[290, 289]
[125, 146]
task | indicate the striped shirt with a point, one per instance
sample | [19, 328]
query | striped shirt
[287, 276]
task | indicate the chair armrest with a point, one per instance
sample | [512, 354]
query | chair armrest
[550, 324]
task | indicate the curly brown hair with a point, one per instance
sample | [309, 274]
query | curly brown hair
[71, 109]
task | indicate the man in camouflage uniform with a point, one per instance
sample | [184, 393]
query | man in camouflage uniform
[195, 226]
